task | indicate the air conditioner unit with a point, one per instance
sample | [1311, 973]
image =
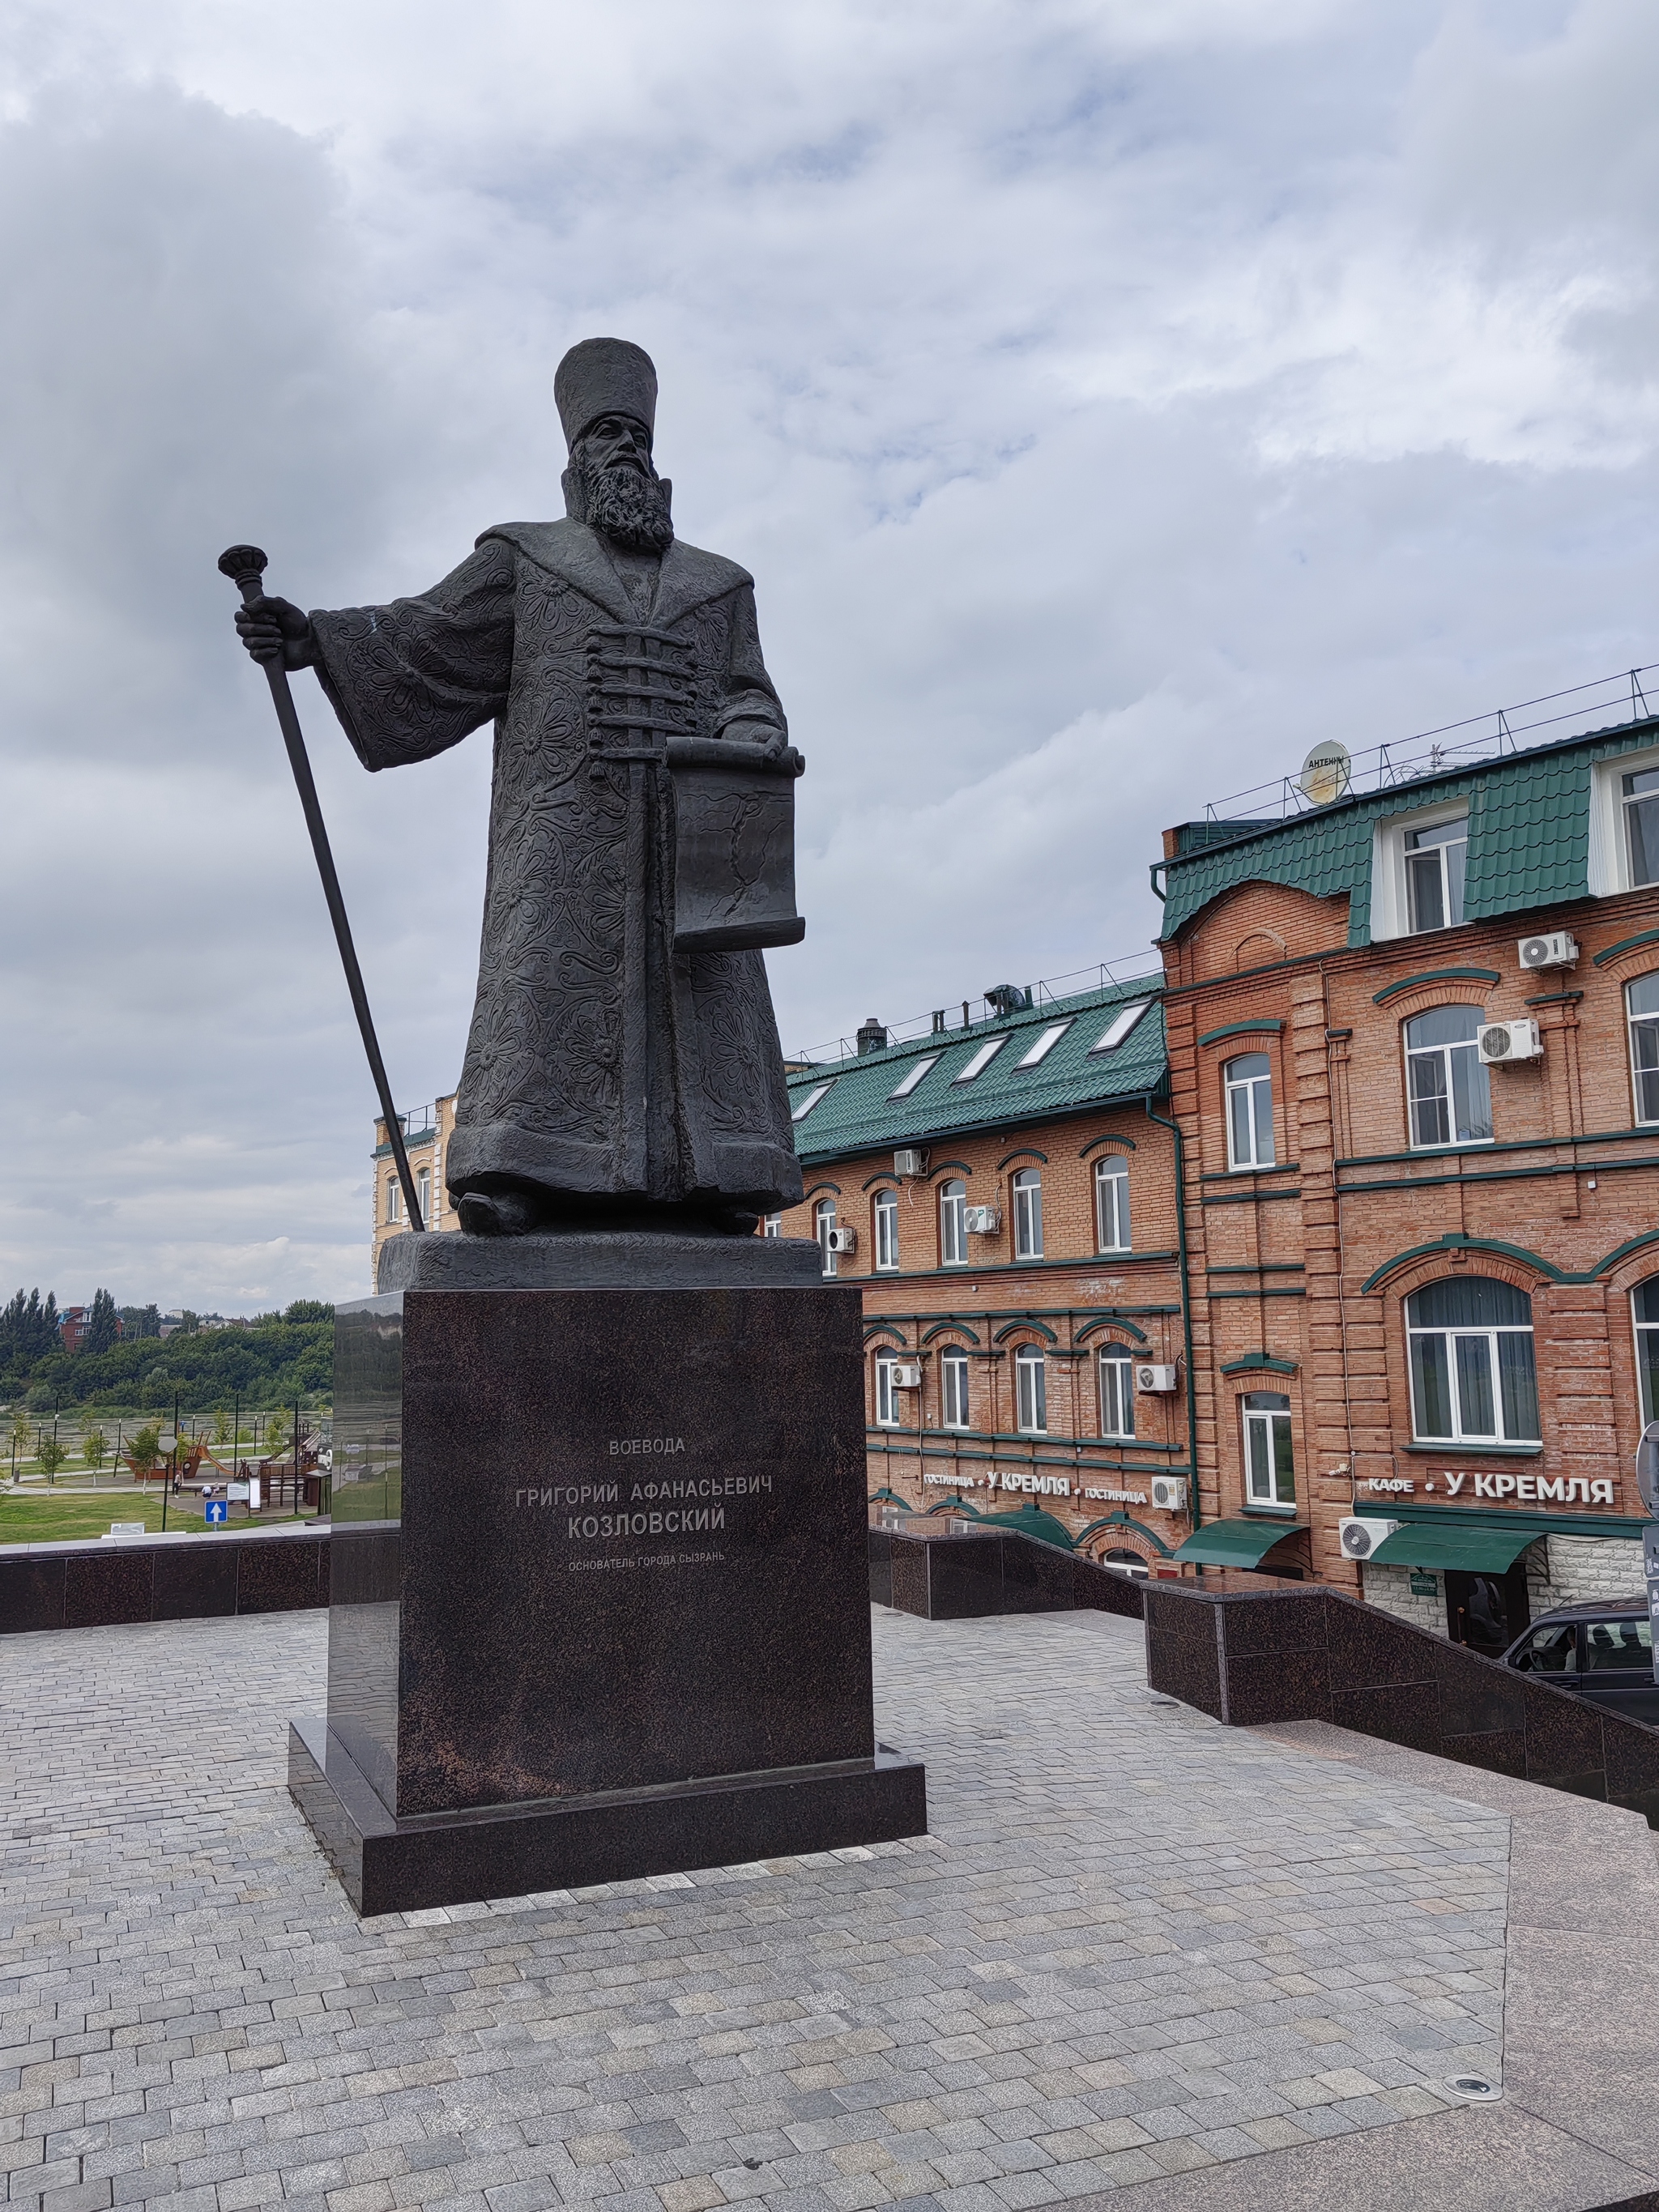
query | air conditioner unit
[907, 1376]
[1155, 1380]
[912, 1163]
[841, 1239]
[1501, 1042]
[982, 1220]
[1361, 1534]
[1170, 1493]
[1559, 948]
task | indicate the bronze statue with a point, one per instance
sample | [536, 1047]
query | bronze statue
[623, 1069]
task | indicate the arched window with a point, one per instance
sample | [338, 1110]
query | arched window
[394, 1199]
[1248, 1082]
[1126, 1563]
[1472, 1376]
[824, 1221]
[1642, 1005]
[885, 1222]
[1112, 1203]
[887, 1397]
[1030, 1390]
[953, 1388]
[953, 1225]
[1028, 1214]
[1117, 1390]
[1645, 1312]
[1269, 1460]
[1448, 1091]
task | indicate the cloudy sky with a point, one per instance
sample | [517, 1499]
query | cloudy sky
[1112, 398]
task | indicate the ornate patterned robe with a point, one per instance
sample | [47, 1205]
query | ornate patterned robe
[601, 1063]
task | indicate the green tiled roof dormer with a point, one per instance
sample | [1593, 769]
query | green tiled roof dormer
[1528, 836]
[860, 1114]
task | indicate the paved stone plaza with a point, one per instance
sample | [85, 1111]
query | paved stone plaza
[1136, 1944]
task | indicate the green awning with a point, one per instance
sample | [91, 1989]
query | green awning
[1477, 1551]
[1236, 1543]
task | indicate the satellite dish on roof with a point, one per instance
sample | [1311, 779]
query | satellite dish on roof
[1326, 773]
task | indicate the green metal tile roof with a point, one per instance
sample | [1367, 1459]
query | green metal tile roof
[860, 1114]
[1528, 836]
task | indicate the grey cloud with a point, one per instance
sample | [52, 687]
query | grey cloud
[1111, 401]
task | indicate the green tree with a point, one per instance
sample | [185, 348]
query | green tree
[276, 1431]
[144, 1450]
[94, 1446]
[222, 1428]
[309, 1309]
[50, 1453]
[103, 1327]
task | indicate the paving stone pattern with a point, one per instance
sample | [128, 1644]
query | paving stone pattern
[1136, 1943]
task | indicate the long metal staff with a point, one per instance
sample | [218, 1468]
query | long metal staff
[246, 566]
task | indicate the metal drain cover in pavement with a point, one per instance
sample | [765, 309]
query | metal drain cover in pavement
[1473, 2089]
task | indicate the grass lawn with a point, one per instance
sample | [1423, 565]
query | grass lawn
[45, 1520]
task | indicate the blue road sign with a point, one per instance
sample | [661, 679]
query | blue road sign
[218, 1511]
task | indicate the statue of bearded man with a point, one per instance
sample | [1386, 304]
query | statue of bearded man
[610, 1080]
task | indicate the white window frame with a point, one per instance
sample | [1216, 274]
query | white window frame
[884, 1231]
[1036, 1053]
[1117, 1031]
[887, 1396]
[974, 1068]
[1494, 1376]
[907, 1082]
[1229, 1086]
[1390, 909]
[812, 1098]
[394, 1200]
[954, 1399]
[824, 1221]
[1640, 1328]
[1026, 1188]
[423, 1193]
[953, 1223]
[1030, 1391]
[1409, 1052]
[772, 1225]
[1120, 1359]
[1642, 1120]
[1111, 1176]
[1609, 854]
[1264, 1420]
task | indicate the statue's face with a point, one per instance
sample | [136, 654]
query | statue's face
[617, 441]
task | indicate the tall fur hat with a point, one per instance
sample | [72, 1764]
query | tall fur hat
[605, 376]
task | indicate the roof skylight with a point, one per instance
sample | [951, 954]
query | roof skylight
[1045, 1044]
[1122, 1023]
[907, 1082]
[810, 1100]
[981, 1060]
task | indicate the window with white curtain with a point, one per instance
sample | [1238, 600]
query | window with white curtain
[1117, 1390]
[1030, 1390]
[953, 1388]
[1112, 1203]
[1028, 1214]
[824, 1221]
[1249, 1083]
[1473, 1375]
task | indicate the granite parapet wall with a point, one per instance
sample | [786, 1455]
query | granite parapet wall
[967, 1578]
[1317, 1655]
[113, 1583]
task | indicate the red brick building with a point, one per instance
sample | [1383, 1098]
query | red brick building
[1399, 1275]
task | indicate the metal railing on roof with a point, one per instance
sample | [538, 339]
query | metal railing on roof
[1405, 760]
[1133, 968]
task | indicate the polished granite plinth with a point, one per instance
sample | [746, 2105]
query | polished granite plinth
[591, 1541]
[388, 1865]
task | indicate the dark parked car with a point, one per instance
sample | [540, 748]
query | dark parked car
[1604, 1652]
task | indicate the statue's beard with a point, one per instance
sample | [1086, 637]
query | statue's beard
[625, 506]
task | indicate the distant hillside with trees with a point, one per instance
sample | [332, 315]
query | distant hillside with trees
[275, 1359]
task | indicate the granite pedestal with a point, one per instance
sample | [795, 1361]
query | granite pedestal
[598, 1602]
